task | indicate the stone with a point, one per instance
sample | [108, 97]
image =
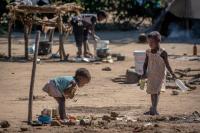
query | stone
[121, 58]
[23, 129]
[114, 114]
[106, 118]
[132, 77]
[102, 123]
[175, 93]
[156, 125]
[106, 69]
[5, 124]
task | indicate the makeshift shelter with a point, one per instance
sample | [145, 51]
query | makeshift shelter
[182, 12]
[27, 14]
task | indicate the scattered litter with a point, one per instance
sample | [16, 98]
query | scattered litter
[108, 59]
[175, 93]
[106, 69]
[106, 118]
[56, 123]
[24, 128]
[71, 122]
[82, 59]
[181, 85]
[38, 61]
[186, 58]
[4, 124]
[121, 58]
[86, 59]
[190, 118]
[36, 124]
[45, 117]
[148, 124]
[85, 122]
[156, 125]
[114, 114]
[119, 119]
[35, 98]
[118, 56]
[188, 79]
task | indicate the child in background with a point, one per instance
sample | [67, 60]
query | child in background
[155, 62]
[64, 87]
[82, 26]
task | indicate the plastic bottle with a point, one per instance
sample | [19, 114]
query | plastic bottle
[195, 49]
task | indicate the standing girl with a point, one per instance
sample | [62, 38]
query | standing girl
[156, 61]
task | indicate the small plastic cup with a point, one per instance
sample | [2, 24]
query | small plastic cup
[142, 84]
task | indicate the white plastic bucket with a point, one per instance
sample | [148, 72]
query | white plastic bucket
[139, 61]
[102, 44]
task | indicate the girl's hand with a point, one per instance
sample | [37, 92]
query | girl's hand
[96, 37]
[70, 92]
[174, 76]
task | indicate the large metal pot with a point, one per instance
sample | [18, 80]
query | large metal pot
[102, 52]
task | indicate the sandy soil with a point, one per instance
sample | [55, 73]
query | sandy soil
[99, 97]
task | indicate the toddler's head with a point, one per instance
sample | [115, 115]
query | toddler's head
[82, 76]
[101, 15]
[154, 39]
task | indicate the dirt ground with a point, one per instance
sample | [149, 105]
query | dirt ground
[98, 98]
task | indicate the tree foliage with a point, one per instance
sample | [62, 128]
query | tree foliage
[123, 10]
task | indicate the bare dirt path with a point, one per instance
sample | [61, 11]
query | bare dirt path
[99, 97]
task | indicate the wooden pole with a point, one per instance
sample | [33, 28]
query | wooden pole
[9, 38]
[33, 78]
[187, 14]
[26, 32]
[61, 45]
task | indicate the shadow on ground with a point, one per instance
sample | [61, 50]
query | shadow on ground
[97, 110]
